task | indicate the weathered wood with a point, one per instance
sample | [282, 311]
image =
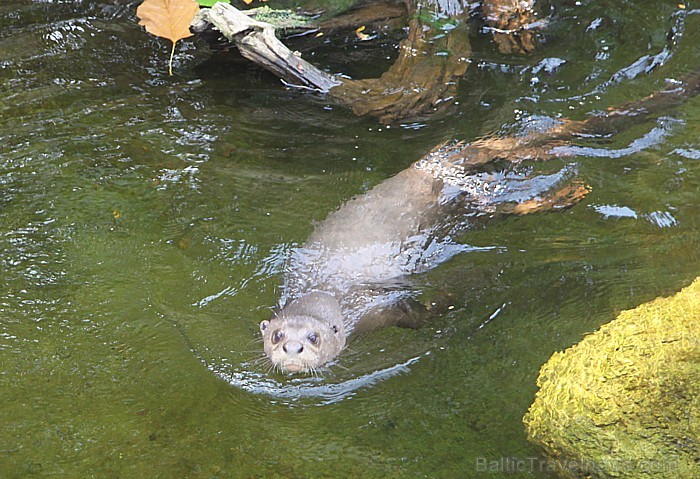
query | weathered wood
[257, 42]
[423, 79]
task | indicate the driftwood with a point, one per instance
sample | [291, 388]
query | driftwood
[257, 42]
[550, 142]
[423, 80]
[420, 80]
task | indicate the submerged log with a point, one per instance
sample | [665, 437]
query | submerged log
[423, 80]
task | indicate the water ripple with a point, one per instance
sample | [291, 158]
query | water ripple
[654, 137]
[298, 389]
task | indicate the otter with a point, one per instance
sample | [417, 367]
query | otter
[355, 264]
[306, 334]
[333, 279]
[357, 260]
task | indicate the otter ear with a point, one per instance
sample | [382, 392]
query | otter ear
[335, 328]
[264, 325]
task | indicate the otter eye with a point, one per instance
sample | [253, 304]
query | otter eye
[277, 336]
[313, 339]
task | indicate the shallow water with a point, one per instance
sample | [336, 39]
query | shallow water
[145, 221]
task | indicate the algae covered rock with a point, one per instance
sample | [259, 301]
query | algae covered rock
[625, 401]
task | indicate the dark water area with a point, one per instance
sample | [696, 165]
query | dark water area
[145, 221]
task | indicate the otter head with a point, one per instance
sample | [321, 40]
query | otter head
[304, 335]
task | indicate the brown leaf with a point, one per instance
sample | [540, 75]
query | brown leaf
[360, 35]
[168, 18]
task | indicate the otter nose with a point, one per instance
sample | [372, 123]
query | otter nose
[293, 347]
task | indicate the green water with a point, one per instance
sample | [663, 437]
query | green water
[145, 220]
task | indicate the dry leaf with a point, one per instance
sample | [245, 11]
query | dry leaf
[360, 35]
[168, 19]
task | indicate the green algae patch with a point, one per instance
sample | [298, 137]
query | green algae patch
[625, 401]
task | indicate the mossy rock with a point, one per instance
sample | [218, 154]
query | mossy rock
[625, 401]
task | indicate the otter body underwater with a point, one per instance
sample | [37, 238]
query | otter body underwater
[356, 260]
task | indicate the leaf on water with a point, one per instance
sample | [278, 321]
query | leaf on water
[168, 19]
[360, 35]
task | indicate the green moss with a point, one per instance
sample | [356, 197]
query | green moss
[281, 19]
[625, 401]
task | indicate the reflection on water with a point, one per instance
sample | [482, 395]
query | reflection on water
[316, 388]
[615, 211]
[653, 138]
[145, 222]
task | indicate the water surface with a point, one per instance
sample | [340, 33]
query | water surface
[145, 221]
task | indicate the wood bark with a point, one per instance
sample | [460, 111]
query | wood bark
[422, 80]
[257, 42]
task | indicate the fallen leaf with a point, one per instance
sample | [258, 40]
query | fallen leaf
[168, 19]
[360, 35]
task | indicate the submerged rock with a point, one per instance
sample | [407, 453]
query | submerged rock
[625, 401]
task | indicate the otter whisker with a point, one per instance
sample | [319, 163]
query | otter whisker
[248, 351]
[259, 361]
[338, 365]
